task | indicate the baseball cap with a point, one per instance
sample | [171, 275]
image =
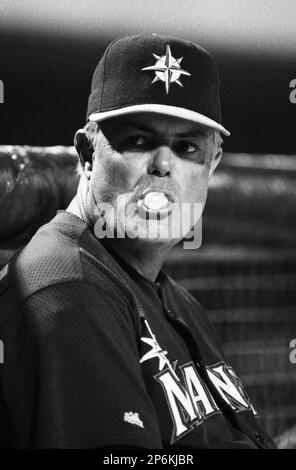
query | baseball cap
[160, 74]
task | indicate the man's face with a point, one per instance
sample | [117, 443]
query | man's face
[145, 167]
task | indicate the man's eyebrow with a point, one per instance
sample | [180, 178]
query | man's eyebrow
[196, 133]
[140, 126]
[147, 128]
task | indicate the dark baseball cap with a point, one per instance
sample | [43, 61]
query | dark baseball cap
[160, 74]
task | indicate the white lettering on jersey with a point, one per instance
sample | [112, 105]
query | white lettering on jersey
[226, 387]
[240, 387]
[180, 404]
[190, 404]
[199, 393]
[189, 400]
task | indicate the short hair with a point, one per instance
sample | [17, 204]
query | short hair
[92, 128]
[218, 139]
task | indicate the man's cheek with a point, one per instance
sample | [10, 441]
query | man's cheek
[117, 176]
[196, 188]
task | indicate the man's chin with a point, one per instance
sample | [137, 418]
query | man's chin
[154, 231]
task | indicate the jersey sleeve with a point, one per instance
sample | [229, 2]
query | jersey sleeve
[86, 378]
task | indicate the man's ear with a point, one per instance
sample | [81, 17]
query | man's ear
[216, 159]
[84, 148]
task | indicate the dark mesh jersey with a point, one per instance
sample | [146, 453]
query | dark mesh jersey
[97, 356]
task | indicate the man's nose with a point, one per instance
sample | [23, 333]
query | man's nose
[160, 161]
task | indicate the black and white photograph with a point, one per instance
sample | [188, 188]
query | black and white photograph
[148, 227]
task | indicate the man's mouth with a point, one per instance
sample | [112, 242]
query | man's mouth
[155, 204]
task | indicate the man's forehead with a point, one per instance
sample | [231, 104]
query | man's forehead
[157, 123]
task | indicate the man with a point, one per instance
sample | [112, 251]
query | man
[103, 349]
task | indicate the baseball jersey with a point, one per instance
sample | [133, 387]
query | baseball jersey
[96, 355]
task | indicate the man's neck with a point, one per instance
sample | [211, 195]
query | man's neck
[146, 259]
[76, 207]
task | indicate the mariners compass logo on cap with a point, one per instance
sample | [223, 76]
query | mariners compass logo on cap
[167, 69]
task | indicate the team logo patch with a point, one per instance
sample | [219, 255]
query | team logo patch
[188, 396]
[133, 418]
[167, 69]
[157, 352]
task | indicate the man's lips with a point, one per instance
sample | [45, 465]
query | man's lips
[168, 194]
[155, 202]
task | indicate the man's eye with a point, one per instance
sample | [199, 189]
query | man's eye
[137, 140]
[185, 147]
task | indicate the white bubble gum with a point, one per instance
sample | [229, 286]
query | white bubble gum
[155, 201]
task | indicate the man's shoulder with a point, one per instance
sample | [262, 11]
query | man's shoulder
[55, 255]
[50, 257]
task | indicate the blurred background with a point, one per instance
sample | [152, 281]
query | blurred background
[49, 49]
[245, 272]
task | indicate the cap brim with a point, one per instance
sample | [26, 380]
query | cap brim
[161, 109]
